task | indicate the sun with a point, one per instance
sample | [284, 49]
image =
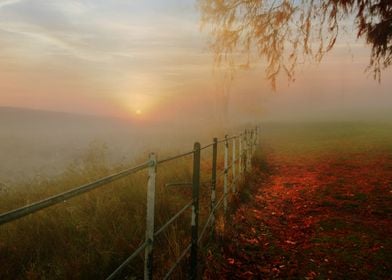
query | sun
[138, 112]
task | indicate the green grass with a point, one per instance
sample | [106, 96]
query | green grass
[326, 137]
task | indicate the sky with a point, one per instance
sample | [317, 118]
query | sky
[149, 60]
[104, 57]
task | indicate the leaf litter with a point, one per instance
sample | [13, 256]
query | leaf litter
[315, 218]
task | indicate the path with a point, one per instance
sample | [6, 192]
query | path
[311, 218]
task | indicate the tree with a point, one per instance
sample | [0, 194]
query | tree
[286, 32]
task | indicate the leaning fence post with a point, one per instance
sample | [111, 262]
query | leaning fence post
[226, 161]
[213, 184]
[148, 259]
[233, 165]
[195, 210]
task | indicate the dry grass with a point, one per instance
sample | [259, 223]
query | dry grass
[89, 236]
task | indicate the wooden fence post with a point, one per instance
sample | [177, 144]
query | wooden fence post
[195, 210]
[148, 259]
[251, 149]
[246, 151]
[226, 165]
[240, 156]
[249, 154]
[233, 166]
[254, 140]
[213, 185]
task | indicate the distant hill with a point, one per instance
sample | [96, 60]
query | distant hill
[43, 142]
[16, 118]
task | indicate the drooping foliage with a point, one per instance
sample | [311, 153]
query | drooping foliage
[288, 32]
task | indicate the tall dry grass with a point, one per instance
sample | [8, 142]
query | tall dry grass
[88, 236]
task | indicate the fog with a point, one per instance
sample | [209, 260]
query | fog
[44, 143]
[35, 143]
[337, 89]
[147, 82]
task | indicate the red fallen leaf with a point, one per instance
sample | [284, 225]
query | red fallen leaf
[312, 274]
[317, 193]
[265, 270]
[247, 273]
[252, 241]
[230, 261]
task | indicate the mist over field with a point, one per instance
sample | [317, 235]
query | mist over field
[299, 189]
[40, 143]
[36, 143]
[147, 82]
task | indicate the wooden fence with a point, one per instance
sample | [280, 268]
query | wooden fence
[240, 157]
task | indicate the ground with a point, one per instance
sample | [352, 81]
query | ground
[310, 215]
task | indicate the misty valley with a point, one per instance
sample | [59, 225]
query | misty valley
[195, 139]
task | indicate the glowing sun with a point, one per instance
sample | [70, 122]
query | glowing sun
[138, 112]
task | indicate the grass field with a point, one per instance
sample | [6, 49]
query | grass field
[89, 236]
[319, 206]
[341, 172]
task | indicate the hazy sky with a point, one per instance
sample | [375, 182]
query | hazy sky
[107, 57]
[148, 58]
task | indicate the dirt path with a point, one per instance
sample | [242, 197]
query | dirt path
[311, 218]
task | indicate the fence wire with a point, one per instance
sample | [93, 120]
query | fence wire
[247, 142]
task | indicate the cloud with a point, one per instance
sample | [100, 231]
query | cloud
[91, 32]
[5, 3]
[111, 42]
